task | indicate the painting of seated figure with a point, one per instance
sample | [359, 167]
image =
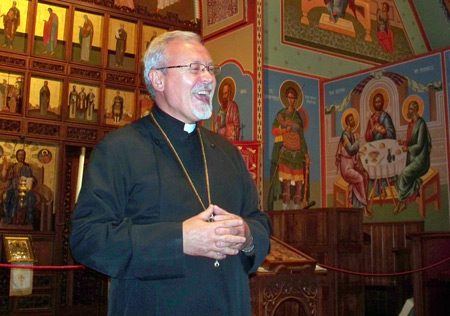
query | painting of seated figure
[27, 185]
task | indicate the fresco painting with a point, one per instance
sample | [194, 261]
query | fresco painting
[238, 88]
[385, 150]
[292, 147]
[361, 29]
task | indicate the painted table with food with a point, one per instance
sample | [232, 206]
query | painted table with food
[383, 159]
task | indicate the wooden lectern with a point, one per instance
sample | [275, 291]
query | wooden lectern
[287, 283]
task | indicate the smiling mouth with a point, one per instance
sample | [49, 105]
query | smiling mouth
[203, 95]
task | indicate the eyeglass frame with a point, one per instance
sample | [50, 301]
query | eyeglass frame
[207, 67]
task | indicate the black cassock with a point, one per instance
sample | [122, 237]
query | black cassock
[128, 221]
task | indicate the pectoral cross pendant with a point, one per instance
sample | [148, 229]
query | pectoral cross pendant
[216, 263]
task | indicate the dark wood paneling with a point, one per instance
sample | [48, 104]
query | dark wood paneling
[333, 237]
[431, 286]
[386, 239]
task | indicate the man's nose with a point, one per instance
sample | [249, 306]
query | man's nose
[206, 76]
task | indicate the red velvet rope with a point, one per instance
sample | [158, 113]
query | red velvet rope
[384, 274]
[73, 267]
[3, 265]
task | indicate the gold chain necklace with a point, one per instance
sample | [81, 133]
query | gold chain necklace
[182, 165]
[216, 263]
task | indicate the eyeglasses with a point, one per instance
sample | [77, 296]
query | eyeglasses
[196, 68]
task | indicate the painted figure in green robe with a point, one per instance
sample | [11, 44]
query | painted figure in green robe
[418, 148]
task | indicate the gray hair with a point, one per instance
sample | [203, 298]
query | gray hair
[156, 57]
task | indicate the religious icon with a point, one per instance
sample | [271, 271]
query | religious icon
[146, 104]
[50, 32]
[121, 45]
[228, 123]
[14, 21]
[18, 249]
[82, 102]
[290, 163]
[119, 107]
[45, 156]
[45, 97]
[11, 21]
[86, 37]
[27, 185]
[50, 35]
[11, 91]
[149, 33]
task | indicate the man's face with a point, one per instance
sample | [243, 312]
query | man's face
[187, 96]
[291, 99]
[20, 156]
[411, 111]
[225, 94]
[378, 103]
[351, 121]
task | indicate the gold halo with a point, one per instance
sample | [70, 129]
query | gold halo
[347, 113]
[291, 84]
[406, 103]
[231, 82]
[387, 100]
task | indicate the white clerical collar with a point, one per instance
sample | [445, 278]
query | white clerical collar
[189, 127]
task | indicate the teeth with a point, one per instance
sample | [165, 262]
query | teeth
[203, 92]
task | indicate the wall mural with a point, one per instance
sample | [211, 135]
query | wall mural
[386, 150]
[292, 147]
[232, 104]
[368, 30]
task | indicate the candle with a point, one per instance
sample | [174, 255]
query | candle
[80, 172]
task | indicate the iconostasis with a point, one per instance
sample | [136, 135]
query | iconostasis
[76, 62]
[69, 73]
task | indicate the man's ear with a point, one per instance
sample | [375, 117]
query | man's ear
[157, 79]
